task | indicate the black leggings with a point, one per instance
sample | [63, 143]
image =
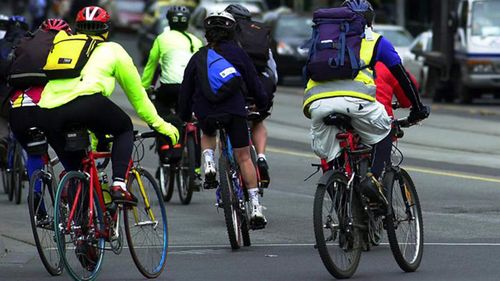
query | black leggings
[100, 115]
[381, 155]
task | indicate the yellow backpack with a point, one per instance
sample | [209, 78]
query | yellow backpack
[69, 54]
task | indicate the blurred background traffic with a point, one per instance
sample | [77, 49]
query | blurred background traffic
[452, 47]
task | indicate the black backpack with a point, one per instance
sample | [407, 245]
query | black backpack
[29, 58]
[255, 39]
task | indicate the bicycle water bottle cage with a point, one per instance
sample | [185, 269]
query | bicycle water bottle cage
[37, 142]
[77, 139]
[341, 121]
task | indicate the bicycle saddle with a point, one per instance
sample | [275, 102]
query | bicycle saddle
[338, 120]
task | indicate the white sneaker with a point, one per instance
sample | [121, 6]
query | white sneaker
[257, 218]
[210, 172]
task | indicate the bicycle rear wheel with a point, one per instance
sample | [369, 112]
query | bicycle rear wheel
[18, 173]
[405, 229]
[80, 245]
[41, 207]
[339, 245]
[146, 224]
[166, 180]
[230, 204]
[185, 177]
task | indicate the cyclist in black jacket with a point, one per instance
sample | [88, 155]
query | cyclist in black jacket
[220, 36]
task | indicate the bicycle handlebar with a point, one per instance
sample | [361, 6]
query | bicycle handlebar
[145, 135]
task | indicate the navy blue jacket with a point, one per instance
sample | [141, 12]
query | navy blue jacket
[192, 99]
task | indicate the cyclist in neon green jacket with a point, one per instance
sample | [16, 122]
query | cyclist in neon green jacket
[84, 101]
[172, 49]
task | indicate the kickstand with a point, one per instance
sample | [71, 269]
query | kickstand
[318, 166]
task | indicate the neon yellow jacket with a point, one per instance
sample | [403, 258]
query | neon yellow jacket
[172, 50]
[108, 63]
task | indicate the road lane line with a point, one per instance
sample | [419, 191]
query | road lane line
[408, 168]
[478, 244]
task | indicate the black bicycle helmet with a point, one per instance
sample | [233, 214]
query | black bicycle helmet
[178, 17]
[238, 11]
[363, 7]
[222, 20]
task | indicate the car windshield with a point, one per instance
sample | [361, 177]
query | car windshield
[293, 27]
[398, 37]
[486, 18]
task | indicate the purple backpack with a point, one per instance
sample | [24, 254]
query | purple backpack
[334, 48]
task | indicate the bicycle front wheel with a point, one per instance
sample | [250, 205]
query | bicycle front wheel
[338, 243]
[5, 180]
[41, 207]
[185, 177]
[80, 243]
[405, 229]
[146, 224]
[230, 204]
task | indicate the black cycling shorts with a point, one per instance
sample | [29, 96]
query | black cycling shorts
[236, 127]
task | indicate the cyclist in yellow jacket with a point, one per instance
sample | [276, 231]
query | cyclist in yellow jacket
[84, 101]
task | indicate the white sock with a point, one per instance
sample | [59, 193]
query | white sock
[208, 155]
[120, 184]
[254, 195]
[261, 155]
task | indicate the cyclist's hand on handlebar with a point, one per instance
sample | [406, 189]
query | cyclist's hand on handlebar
[172, 132]
[417, 115]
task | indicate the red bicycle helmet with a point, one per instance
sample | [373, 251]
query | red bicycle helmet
[92, 20]
[55, 24]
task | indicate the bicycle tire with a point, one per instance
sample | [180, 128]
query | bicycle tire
[349, 251]
[407, 192]
[18, 174]
[5, 180]
[166, 182]
[245, 225]
[187, 166]
[10, 166]
[230, 205]
[43, 227]
[154, 197]
[62, 208]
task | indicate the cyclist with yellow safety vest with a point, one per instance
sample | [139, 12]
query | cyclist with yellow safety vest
[84, 101]
[356, 97]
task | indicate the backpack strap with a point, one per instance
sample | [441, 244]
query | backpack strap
[190, 40]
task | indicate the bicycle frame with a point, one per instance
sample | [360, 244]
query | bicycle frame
[89, 167]
[227, 150]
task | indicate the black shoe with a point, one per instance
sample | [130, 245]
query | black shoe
[121, 196]
[197, 182]
[372, 189]
[264, 172]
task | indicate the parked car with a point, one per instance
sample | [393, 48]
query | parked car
[205, 7]
[415, 62]
[403, 42]
[289, 33]
[126, 14]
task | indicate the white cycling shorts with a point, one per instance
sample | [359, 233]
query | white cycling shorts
[369, 120]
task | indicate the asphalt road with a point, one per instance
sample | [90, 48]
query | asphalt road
[453, 158]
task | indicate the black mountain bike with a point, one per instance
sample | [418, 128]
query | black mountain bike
[346, 222]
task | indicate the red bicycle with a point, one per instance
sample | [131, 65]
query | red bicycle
[178, 165]
[84, 222]
[346, 221]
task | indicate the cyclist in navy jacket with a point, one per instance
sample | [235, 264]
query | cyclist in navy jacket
[231, 112]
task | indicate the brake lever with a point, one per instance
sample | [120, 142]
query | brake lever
[318, 166]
